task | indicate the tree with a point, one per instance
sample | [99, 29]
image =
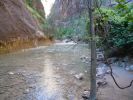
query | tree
[93, 52]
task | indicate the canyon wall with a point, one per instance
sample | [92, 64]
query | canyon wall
[17, 24]
[63, 9]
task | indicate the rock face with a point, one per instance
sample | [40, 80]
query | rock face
[63, 9]
[17, 26]
[15, 20]
[38, 6]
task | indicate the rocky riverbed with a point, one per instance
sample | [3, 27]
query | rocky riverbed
[44, 73]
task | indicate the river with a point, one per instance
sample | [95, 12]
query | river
[50, 73]
[44, 73]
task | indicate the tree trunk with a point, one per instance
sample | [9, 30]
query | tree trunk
[93, 53]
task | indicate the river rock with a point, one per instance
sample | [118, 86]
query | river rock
[100, 56]
[86, 94]
[129, 68]
[101, 70]
[86, 71]
[108, 71]
[85, 59]
[101, 82]
[26, 91]
[79, 76]
[72, 72]
[10, 73]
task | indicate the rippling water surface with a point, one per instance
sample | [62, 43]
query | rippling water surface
[44, 73]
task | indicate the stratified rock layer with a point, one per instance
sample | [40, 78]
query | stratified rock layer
[63, 9]
[37, 4]
[17, 26]
[16, 20]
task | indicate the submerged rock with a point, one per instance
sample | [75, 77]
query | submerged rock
[101, 70]
[26, 91]
[86, 71]
[108, 71]
[100, 56]
[86, 94]
[72, 72]
[85, 59]
[79, 76]
[101, 83]
[10, 73]
[129, 68]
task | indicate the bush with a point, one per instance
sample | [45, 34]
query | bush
[120, 20]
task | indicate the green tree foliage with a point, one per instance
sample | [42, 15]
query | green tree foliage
[120, 21]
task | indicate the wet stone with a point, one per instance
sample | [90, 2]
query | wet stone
[32, 87]
[129, 68]
[79, 76]
[72, 72]
[86, 95]
[10, 73]
[26, 91]
[108, 71]
[101, 83]
[86, 71]
[2, 91]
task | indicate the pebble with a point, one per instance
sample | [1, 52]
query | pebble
[10, 73]
[72, 72]
[86, 94]
[57, 68]
[108, 71]
[129, 68]
[101, 83]
[33, 87]
[26, 91]
[79, 76]
[83, 61]
[87, 62]
[86, 71]
[2, 91]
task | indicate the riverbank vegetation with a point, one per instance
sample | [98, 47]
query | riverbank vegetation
[113, 26]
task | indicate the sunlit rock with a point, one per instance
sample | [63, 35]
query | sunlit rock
[10, 73]
[129, 68]
[86, 95]
[79, 76]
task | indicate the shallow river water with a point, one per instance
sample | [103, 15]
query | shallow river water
[44, 73]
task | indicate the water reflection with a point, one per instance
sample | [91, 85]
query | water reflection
[49, 80]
